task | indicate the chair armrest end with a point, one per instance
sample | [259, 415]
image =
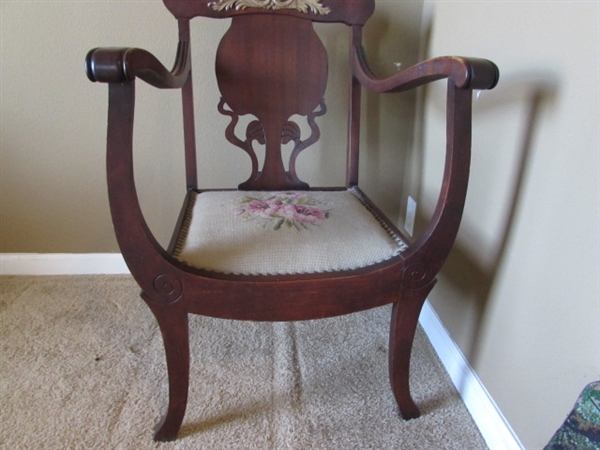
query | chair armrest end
[106, 65]
[121, 65]
[481, 73]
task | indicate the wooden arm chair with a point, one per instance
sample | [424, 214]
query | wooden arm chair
[276, 249]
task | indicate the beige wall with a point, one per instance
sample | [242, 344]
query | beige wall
[520, 293]
[53, 196]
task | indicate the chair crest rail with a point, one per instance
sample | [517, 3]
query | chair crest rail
[350, 12]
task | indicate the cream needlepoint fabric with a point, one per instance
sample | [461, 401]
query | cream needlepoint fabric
[277, 233]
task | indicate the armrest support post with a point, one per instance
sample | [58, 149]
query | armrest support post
[434, 244]
[189, 123]
[354, 107]
[144, 255]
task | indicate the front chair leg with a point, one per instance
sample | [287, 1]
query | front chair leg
[173, 322]
[405, 316]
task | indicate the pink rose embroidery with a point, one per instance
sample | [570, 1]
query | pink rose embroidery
[292, 209]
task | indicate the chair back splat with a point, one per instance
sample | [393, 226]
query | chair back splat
[273, 69]
[276, 249]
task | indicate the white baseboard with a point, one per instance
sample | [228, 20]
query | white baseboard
[62, 264]
[492, 424]
[496, 431]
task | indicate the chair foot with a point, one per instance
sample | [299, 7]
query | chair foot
[405, 316]
[168, 428]
[173, 322]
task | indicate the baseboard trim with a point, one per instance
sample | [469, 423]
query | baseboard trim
[62, 264]
[492, 424]
[494, 427]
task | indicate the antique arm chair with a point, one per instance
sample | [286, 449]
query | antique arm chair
[276, 249]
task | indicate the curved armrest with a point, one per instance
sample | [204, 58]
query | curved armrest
[425, 257]
[119, 65]
[466, 73]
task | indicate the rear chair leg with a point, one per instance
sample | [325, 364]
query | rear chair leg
[405, 316]
[173, 322]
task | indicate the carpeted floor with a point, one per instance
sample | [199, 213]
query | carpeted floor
[82, 367]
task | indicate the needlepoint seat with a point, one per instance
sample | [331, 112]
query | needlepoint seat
[284, 233]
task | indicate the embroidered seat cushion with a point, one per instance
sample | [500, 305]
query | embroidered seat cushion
[278, 233]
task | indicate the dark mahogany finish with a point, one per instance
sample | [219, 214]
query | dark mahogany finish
[249, 72]
[271, 64]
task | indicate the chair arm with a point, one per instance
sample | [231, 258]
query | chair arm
[466, 73]
[119, 65]
[425, 257]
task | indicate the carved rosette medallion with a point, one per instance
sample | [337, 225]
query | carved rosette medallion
[168, 288]
[415, 275]
[305, 6]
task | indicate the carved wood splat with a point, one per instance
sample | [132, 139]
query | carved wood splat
[272, 70]
[255, 132]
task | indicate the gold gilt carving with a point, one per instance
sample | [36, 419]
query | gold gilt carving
[305, 6]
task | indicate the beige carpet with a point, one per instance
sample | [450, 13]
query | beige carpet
[82, 367]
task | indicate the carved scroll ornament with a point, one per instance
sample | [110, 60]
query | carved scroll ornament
[305, 6]
[168, 288]
[256, 132]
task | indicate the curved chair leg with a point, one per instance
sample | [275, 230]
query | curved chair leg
[405, 316]
[173, 322]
